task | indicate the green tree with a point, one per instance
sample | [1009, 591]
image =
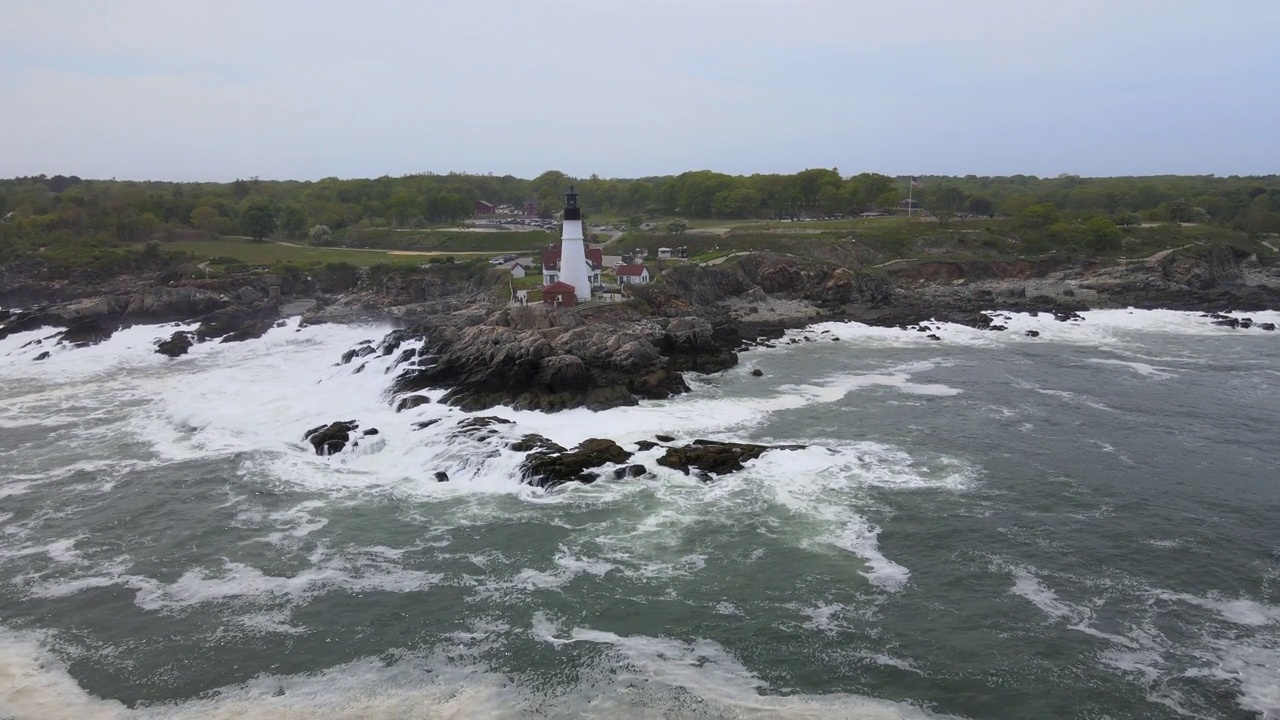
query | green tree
[739, 203]
[888, 200]
[946, 202]
[293, 221]
[1181, 210]
[258, 221]
[1128, 219]
[1102, 235]
[148, 224]
[979, 205]
[677, 226]
[205, 218]
[320, 235]
[1038, 217]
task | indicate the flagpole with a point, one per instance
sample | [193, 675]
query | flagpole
[911, 191]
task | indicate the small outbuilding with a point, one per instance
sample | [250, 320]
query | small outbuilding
[560, 294]
[517, 271]
[632, 274]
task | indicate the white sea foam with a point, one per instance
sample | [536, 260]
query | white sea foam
[1118, 329]
[1030, 587]
[567, 567]
[1240, 611]
[638, 677]
[1151, 371]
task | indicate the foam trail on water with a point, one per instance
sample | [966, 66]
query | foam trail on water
[641, 677]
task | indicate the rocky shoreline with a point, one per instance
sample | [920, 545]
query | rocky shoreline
[455, 339]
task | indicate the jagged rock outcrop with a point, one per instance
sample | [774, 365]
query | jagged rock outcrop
[413, 401]
[552, 467]
[536, 358]
[177, 344]
[237, 323]
[332, 438]
[710, 457]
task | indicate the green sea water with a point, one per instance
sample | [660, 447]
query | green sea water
[1079, 525]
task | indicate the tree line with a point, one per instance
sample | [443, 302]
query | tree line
[70, 209]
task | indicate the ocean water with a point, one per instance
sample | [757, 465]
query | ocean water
[1079, 525]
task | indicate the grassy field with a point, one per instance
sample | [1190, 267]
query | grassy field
[455, 241]
[269, 253]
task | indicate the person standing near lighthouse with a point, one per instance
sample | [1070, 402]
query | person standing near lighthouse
[573, 254]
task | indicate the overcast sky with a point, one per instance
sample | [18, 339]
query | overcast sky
[220, 89]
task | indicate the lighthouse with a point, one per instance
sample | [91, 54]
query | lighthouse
[573, 254]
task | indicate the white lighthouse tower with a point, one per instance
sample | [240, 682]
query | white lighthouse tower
[573, 253]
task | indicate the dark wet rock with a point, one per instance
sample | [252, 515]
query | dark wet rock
[42, 356]
[646, 445]
[551, 360]
[22, 322]
[757, 373]
[1032, 333]
[630, 471]
[332, 438]
[664, 438]
[89, 331]
[998, 328]
[1246, 323]
[715, 458]
[362, 351]
[441, 476]
[370, 431]
[237, 323]
[393, 341]
[535, 443]
[549, 469]
[835, 339]
[406, 356]
[931, 336]
[1064, 316]
[424, 424]
[358, 370]
[480, 428]
[250, 331]
[1267, 326]
[1228, 322]
[411, 402]
[178, 344]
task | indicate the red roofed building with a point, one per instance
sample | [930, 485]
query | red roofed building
[632, 274]
[551, 264]
[483, 207]
[560, 294]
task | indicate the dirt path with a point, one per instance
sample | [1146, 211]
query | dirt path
[390, 252]
[1157, 257]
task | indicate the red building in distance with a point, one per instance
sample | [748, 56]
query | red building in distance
[560, 294]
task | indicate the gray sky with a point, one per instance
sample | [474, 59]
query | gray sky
[214, 90]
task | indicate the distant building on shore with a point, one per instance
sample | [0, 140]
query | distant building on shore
[560, 294]
[632, 275]
[569, 265]
[481, 208]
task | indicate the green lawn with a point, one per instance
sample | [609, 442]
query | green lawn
[269, 253]
[455, 241]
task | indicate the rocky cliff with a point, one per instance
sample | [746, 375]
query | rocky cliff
[539, 358]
